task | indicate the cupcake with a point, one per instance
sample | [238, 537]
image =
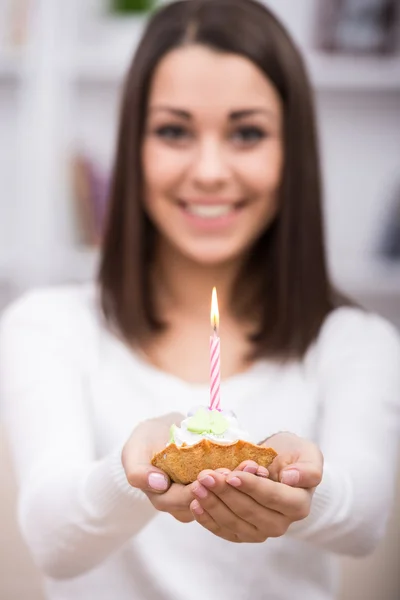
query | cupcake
[208, 439]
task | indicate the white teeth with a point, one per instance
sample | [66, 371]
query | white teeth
[209, 211]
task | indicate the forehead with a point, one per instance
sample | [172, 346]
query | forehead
[195, 76]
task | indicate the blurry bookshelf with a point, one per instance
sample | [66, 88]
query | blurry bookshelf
[14, 29]
[354, 27]
[14, 23]
[78, 54]
[10, 65]
[90, 194]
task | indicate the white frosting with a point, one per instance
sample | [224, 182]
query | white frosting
[183, 436]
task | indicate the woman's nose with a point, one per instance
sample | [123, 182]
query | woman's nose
[210, 167]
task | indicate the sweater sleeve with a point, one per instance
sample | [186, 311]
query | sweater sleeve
[74, 510]
[358, 359]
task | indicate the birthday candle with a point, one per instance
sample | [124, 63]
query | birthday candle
[215, 357]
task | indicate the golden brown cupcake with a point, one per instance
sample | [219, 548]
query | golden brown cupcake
[208, 439]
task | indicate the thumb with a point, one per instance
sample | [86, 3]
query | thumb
[149, 479]
[302, 474]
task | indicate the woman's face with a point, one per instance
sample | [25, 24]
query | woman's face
[212, 153]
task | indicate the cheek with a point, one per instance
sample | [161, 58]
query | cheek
[261, 171]
[162, 167]
[261, 175]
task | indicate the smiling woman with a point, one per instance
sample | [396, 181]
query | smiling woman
[218, 113]
[216, 183]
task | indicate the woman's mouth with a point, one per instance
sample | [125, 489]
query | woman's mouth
[210, 216]
[209, 211]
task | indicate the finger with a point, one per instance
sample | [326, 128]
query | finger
[183, 516]
[300, 460]
[266, 521]
[206, 521]
[279, 463]
[302, 474]
[217, 514]
[291, 502]
[219, 506]
[248, 466]
[262, 472]
[148, 479]
[223, 471]
[177, 498]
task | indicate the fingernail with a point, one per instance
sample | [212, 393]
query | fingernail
[262, 472]
[196, 508]
[290, 477]
[208, 481]
[250, 469]
[199, 490]
[158, 482]
[235, 481]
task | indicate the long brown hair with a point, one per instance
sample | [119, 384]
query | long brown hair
[293, 294]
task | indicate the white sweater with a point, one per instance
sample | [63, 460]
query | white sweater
[72, 393]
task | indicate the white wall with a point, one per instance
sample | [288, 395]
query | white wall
[8, 166]
[360, 135]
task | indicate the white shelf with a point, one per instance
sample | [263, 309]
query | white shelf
[83, 263]
[106, 52]
[11, 65]
[77, 264]
[375, 279]
[90, 66]
[336, 72]
[107, 63]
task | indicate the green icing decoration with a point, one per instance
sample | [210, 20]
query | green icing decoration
[208, 421]
[172, 434]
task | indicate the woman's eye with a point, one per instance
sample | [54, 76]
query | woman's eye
[249, 135]
[172, 132]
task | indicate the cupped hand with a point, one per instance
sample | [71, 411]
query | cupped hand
[299, 462]
[241, 507]
[253, 503]
[146, 439]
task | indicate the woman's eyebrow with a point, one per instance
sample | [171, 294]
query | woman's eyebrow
[177, 112]
[249, 112]
[233, 116]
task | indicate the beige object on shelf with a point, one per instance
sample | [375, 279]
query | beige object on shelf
[18, 13]
[83, 203]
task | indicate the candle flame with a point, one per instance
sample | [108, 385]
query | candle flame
[214, 310]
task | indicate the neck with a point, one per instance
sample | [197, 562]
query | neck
[182, 285]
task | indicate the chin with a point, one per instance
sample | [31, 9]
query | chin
[212, 256]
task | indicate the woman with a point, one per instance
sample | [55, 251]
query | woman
[216, 182]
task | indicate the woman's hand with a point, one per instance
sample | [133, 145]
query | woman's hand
[299, 462]
[146, 439]
[242, 507]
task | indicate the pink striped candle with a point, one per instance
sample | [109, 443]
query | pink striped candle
[215, 356]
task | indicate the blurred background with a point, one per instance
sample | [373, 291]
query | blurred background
[61, 69]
